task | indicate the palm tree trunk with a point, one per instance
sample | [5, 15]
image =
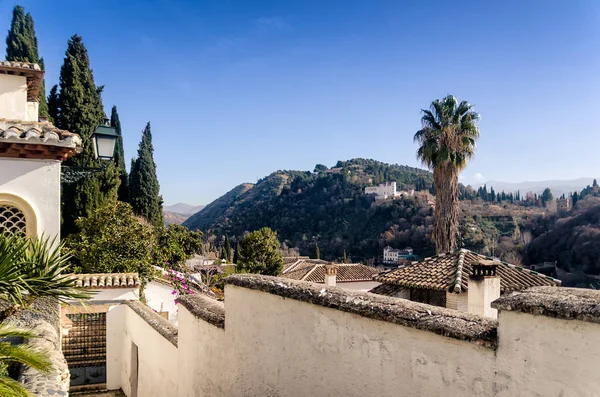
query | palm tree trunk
[445, 226]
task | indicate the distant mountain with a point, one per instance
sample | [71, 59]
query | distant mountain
[183, 209]
[178, 213]
[327, 206]
[558, 187]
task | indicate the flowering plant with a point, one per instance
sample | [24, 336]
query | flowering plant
[180, 284]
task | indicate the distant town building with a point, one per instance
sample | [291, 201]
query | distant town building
[394, 256]
[563, 204]
[383, 191]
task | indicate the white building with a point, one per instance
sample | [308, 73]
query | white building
[31, 152]
[383, 191]
[391, 255]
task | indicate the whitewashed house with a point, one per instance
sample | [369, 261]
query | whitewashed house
[31, 152]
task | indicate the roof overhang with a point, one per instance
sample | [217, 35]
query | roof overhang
[31, 71]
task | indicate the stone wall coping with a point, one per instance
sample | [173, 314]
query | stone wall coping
[210, 310]
[160, 324]
[441, 321]
[559, 302]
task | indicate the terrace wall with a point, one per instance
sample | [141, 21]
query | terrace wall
[276, 337]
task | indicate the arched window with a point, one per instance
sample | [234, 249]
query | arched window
[12, 220]
[17, 216]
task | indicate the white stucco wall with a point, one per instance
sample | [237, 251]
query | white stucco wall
[158, 297]
[458, 302]
[482, 292]
[545, 356]
[157, 357]
[275, 346]
[38, 183]
[13, 97]
[359, 285]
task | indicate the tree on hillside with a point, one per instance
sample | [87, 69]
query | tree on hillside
[446, 143]
[144, 189]
[113, 240]
[546, 196]
[236, 253]
[123, 192]
[80, 111]
[344, 258]
[259, 253]
[176, 244]
[22, 46]
[317, 251]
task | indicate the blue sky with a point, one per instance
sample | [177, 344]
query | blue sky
[237, 89]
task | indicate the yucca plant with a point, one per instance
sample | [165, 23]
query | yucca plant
[21, 354]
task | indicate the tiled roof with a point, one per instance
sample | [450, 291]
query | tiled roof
[31, 71]
[314, 271]
[107, 280]
[387, 289]
[451, 272]
[36, 139]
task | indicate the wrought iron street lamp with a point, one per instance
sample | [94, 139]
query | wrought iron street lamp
[104, 140]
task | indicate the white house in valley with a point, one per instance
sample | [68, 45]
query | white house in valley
[31, 152]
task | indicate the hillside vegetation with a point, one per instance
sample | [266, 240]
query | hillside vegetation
[327, 207]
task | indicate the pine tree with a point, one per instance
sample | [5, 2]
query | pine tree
[144, 188]
[80, 111]
[119, 159]
[22, 46]
[317, 251]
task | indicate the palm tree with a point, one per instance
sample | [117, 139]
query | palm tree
[22, 354]
[446, 143]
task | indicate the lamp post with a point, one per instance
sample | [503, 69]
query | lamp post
[104, 140]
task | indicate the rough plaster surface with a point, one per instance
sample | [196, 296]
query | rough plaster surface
[567, 303]
[38, 183]
[442, 321]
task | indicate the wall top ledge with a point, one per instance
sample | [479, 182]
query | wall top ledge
[565, 303]
[161, 325]
[206, 308]
[442, 321]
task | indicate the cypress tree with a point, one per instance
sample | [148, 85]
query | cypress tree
[80, 111]
[22, 46]
[345, 258]
[317, 251]
[123, 193]
[144, 189]
[236, 253]
[54, 105]
[227, 249]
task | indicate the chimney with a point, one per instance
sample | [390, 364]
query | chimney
[330, 274]
[484, 288]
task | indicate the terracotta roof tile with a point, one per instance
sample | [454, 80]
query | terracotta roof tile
[451, 272]
[314, 270]
[106, 280]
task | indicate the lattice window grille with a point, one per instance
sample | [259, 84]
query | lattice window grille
[12, 221]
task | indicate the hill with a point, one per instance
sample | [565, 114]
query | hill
[183, 208]
[327, 206]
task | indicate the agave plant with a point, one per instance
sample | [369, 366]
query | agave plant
[22, 354]
[30, 269]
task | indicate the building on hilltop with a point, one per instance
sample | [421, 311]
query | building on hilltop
[383, 191]
[346, 275]
[31, 151]
[450, 280]
[563, 204]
